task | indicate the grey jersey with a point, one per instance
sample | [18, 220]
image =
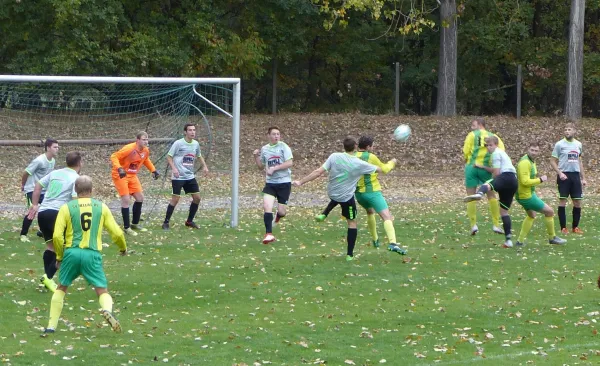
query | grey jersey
[60, 188]
[277, 154]
[501, 160]
[344, 172]
[184, 156]
[37, 169]
[568, 153]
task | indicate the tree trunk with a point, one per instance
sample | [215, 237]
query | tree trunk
[274, 88]
[574, 95]
[446, 97]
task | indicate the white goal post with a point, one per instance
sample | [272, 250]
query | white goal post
[231, 110]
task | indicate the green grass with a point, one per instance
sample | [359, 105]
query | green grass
[220, 297]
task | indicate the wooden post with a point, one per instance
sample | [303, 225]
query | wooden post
[397, 99]
[519, 87]
[274, 100]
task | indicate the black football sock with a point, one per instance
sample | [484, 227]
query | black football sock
[351, 238]
[268, 217]
[137, 212]
[576, 216]
[193, 210]
[170, 209]
[125, 213]
[562, 216]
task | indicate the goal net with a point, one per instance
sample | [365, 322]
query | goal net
[98, 115]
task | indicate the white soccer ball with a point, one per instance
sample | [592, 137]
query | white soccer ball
[402, 133]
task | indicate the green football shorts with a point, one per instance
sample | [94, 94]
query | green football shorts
[372, 200]
[84, 262]
[476, 176]
[532, 204]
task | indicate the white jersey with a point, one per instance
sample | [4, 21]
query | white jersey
[277, 154]
[501, 160]
[60, 188]
[568, 154]
[344, 172]
[37, 169]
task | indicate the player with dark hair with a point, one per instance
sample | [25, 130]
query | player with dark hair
[59, 185]
[181, 158]
[125, 165]
[369, 195]
[345, 169]
[77, 242]
[36, 170]
[504, 182]
[566, 162]
[526, 197]
[276, 159]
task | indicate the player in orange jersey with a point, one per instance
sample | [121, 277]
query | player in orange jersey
[126, 163]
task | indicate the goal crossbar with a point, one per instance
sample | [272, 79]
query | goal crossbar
[40, 143]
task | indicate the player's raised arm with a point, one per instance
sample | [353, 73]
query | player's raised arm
[524, 174]
[385, 168]
[312, 176]
[258, 159]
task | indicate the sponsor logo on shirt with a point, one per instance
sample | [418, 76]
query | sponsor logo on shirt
[274, 161]
[188, 160]
[573, 156]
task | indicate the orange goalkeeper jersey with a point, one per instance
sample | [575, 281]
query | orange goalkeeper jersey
[131, 159]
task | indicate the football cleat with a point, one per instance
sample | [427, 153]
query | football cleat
[376, 243]
[269, 238]
[138, 227]
[192, 225]
[564, 231]
[47, 332]
[508, 244]
[473, 197]
[393, 247]
[111, 320]
[557, 241]
[320, 217]
[474, 230]
[49, 283]
[349, 258]
[520, 244]
[24, 239]
[577, 230]
[165, 226]
[130, 231]
[497, 230]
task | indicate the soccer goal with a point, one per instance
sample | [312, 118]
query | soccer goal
[97, 114]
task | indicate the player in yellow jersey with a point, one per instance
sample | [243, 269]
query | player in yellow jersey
[526, 196]
[476, 157]
[369, 196]
[77, 242]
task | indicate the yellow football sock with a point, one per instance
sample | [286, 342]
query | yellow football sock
[525, 228]
[388, 226]
[495, 211]
[372, 224]
[549, 221]
[56, 306]
[106, 302]
[472, 212]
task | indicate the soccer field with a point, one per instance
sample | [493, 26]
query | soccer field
[219, 297]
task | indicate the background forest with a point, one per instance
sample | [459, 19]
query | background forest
[325, 60]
